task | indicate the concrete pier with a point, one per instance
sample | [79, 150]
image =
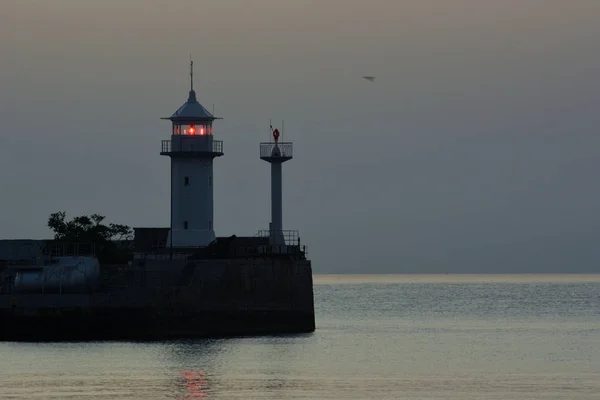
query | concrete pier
[157, 300]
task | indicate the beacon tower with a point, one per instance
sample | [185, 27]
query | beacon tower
[192, 150]
[276, 153]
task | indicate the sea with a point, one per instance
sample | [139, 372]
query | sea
[377, 337]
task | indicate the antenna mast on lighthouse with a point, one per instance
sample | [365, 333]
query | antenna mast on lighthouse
[191, 73]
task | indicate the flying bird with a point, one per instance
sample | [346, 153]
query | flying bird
[369, 78]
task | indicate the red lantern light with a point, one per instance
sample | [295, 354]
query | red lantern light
[192, 130]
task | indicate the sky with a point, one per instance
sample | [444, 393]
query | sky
[476, 148]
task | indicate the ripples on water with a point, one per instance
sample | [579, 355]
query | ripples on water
[523, 337]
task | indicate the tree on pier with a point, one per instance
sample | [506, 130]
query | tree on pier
[91, 230]
[86, 229]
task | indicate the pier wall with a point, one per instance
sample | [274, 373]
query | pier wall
[232, 284]
[162, 299]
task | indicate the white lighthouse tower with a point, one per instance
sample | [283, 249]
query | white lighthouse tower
[276, 153]
[192, 150]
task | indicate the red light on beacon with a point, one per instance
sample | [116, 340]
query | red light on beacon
[201, 131]
[192, 130]
[276, 134]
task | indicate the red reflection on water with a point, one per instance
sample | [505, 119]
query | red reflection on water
[195, 383]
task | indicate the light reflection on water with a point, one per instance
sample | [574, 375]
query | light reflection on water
[415, 340]
[196, 385]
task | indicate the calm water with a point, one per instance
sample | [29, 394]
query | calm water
[394, 337]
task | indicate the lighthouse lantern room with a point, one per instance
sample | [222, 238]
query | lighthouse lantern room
[192, 150]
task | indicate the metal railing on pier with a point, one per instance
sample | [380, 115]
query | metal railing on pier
[69, 249]
[224, 250]
[290, 237]
[291, 243]
[166, 254]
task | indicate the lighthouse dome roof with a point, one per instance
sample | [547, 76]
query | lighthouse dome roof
[192, 110]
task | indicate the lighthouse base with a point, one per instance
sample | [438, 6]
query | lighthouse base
[190, 237]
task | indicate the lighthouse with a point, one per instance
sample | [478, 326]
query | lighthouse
[192, 150]
[276, 153]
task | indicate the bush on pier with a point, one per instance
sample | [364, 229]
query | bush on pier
[90, 229]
